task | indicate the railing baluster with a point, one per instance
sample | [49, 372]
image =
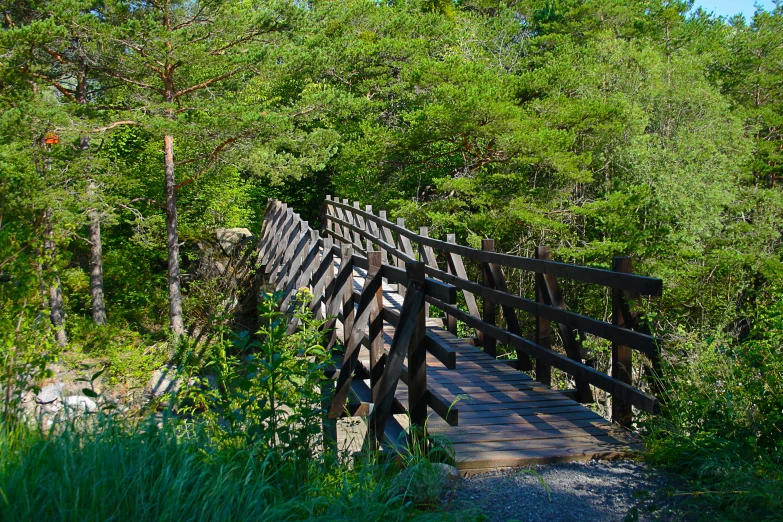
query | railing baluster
[622, 412]
[543, 327]
[488, 315]
[377, 356]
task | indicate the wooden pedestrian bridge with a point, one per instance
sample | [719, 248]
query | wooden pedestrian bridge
[377, 283]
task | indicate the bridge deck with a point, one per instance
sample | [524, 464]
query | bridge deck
[506, 418]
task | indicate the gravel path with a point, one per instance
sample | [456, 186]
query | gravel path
[589, 491]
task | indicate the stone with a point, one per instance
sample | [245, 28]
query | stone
[81, 403]
[49, 393]
[230, 238]
[449, 472]
[163, 381]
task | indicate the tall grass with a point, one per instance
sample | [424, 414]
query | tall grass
[117, 470]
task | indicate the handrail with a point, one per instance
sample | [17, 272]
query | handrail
[639, 284]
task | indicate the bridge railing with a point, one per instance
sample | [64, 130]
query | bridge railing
[365, 231]
[292, 257]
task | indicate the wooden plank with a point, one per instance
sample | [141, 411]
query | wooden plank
[512, 437]
[509, 459]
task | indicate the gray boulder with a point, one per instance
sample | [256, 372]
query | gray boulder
[231, 238]
[163, 381]
[50, 393]
[81, 403]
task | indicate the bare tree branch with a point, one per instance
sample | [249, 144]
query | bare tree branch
[212, 157]
[207, 83]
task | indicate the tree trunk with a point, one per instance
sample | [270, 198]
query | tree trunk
[96, 266]
[94, 226]
[175, 290]
[55, 289]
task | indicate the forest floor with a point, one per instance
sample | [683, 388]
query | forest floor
[589, 491]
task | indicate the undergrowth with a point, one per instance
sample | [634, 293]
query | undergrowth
[722, 422]
[241, 442]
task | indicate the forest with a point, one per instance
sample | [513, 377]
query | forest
[132, 130]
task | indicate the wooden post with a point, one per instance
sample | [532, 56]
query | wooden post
[346, 256]
[417, 357]
[488, 312]
[400, 263]
[451, 321]
[622, 413]
[387, 237]
[427, 255]
[358, 222]
[326, 226]
[543, 327]
[377, 355]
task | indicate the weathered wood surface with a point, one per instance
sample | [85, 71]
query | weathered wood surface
[506, 418]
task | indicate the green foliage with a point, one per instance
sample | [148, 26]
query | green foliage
[143, 472]
[269, 390]
[243, 450]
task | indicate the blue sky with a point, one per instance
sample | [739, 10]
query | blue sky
[732, 7]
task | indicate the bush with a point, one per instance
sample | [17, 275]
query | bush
[722, 420]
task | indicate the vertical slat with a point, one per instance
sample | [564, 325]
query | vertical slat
[346, 253]
[342, 231]
[543, 327]
[451, 321]
[372, 228]
[488, 315]
[404, 244]
[271, 222]
[417, 357]
[427, 254]
[304, 271]
[354, 220]
[622, 413]
[336, 293]
[324, 276]
[291, 264]
[387, 236]
[287, 244]
[327, 225]
[374, 259]
[274, 245]
[456, 266]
